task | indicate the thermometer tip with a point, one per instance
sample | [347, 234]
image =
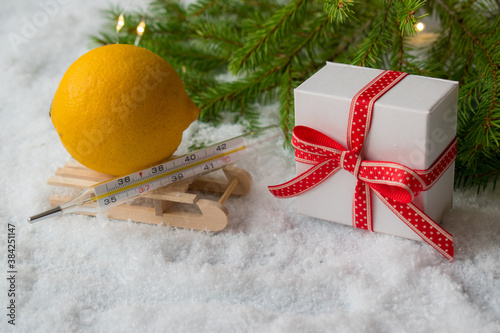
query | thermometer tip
[44, 215]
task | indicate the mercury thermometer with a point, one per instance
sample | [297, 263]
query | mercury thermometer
[120, 189]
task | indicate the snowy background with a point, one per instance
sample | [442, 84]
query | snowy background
[269, 270]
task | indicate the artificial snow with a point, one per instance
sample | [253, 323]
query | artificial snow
[270, 270]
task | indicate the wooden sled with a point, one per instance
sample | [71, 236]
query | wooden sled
[212, 215]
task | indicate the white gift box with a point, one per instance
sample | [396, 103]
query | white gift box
[412, 124]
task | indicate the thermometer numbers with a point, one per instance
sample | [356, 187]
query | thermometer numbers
[208, 166]
[109, 200]
[123, 180]
[177, 177]
[221, 147]
[144, 188]
[158, 168]
[190, 158]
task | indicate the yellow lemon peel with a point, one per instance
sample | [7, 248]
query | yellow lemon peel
[121, 108]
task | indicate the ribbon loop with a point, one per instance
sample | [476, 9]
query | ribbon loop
[391, 179]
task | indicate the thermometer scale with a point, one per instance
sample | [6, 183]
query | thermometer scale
[121, 189]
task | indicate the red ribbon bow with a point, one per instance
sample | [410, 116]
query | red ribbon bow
[395, 184]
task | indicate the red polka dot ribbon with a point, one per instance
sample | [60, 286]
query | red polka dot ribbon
[394, 184]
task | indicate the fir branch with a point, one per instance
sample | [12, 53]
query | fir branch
[405, 14]
[319, 25]
[399, 51]
[375, 42]
[173, 8]
[201, 7]
[348, 41]
[286, 103]
[235, 95]
[339, 10]
[213, 33]
[482, 133]
[466, 67]
[259, 44]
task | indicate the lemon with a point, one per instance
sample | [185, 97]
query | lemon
[120, 109]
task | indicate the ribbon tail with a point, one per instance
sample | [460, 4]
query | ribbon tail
[422, 225]
[305, 181]
[362, 207]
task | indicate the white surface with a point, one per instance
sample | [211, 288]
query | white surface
[271, 270]
[403, 130]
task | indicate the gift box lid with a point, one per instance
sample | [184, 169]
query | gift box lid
[412, 123]
[344, 81]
